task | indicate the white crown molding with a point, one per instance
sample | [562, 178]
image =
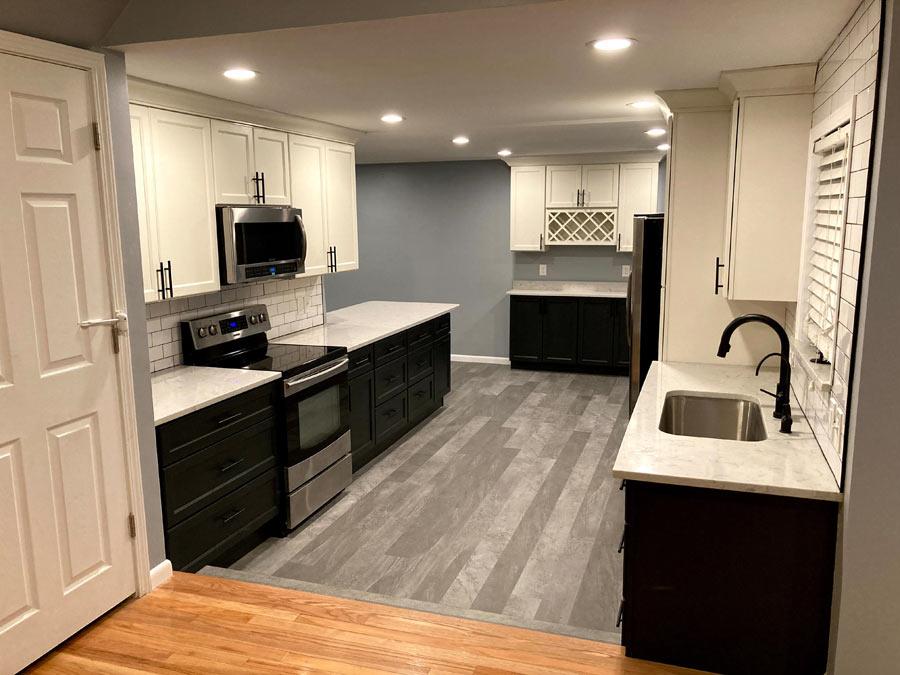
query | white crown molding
[694, 100]
[158, 95]
[796, 78]
[623, 157]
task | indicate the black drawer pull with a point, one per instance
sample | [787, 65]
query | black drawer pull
[421, 393]
[231, 516]
[420, 336]
[390, 413]
[419, 364]
[230, 418]
[228, 466]
[361, 362]
[622, 486]
[392, 378]
[394, 348]
[622, 542]
[621, 614]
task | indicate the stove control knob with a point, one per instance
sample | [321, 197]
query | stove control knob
[213, 329]
[262, 317]
[253, 319]
[201, 332]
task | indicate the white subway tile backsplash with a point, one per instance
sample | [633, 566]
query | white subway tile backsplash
[293, 304]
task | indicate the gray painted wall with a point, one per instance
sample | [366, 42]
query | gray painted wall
[572, 263]
[435, 232]
[120, 126]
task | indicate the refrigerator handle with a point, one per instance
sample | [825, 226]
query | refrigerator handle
[629, 318]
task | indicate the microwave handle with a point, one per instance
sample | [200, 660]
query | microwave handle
[307, 380]
[302, 238]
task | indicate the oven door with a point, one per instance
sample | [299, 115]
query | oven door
[317, 418]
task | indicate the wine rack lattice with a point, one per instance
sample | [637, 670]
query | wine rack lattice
[581, 226]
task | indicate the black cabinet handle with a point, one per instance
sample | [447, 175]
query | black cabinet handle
[420, 393]
[392, 378]
[161, 278]
[719, 265]
[421, 363]
[622, 542]
[621, 614]
[169, 271]
[230, 418]
[390, 413]
[228, 466]
[231, 516]
[622, 486]
[256, 195]
[262, 180]
[394, 348]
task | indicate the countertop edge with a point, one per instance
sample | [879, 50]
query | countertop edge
[568, 294]
[270, 376]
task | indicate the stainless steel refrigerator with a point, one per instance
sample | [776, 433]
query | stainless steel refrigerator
[643, 304]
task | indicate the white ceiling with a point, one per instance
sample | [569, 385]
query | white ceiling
[518, 77]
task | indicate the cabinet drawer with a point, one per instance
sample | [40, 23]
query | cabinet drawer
[420, 335]
[389, 380]
[421, 399]
[207, 475]
[211, 532]
[389, 348]
[420, 363]
[391, 418]
[186, 435]
[441, 325]
[360, 361]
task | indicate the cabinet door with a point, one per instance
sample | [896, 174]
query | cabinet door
[441, 368]
[559, 336]
[563, 184]
[595, 335]
[185, 200]
[362, 413]
[270, 150]
[526, 208]
[638, 187]
[308, 194]
[525, 328]
[233, 162]
[600, 183]
[621, 348]
[340, 204]
[142, 152]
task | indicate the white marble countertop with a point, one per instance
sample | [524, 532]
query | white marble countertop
[789, 465]
[360, 325]
[572, 289]
[185, 389]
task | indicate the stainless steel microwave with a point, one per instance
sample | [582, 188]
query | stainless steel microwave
[258, 242]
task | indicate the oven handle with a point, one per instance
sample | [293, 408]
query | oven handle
[308, 380]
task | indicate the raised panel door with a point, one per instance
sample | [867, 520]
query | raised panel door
[233, 162]
[597, 327]
[526, 208]
[559, 337]
[270, 151]
[142, 154]
[525, 321]
[307, 156]
[638, 187]
[600, 183]
[563, 187]
[340, 205]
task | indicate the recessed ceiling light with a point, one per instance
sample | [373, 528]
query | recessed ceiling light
[505, 152]
[655, 132]
[611, 44]
[239, 74]
[461, 140]
[392, 118]
[663, 146]
[642, 105]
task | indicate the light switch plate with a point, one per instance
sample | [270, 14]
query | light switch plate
[542, 270]
[626, 270]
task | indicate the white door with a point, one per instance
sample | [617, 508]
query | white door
[638, 187]
[233, 165]
[526, 208]
[142, 152]
[308, 195]
[185, 201]
[66, 554]
[340, 205]
[270, 149]
[563, 187]
[600, 183]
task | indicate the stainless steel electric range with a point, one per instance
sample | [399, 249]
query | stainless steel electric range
[315, 415]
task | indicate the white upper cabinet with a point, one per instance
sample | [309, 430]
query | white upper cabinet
[563, 187]
[146, 201]
[340, 206]
[526, 208]
[638, 188]
[767, 182]
[307, 161]
[270, 150]
[599, 185]
[184, 196]
[233, 160]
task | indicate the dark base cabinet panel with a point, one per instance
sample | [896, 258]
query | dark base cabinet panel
[596, 337]
[728, 582]
[441, 369]
[362, 409]
[525, 324]
[559, 341]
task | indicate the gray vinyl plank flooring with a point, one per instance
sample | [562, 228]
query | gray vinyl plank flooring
[502, 504]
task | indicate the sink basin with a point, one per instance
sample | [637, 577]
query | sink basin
[731, 418]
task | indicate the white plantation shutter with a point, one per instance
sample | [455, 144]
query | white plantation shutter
[831, 165]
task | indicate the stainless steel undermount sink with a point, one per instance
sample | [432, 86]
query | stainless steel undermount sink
[724, 416]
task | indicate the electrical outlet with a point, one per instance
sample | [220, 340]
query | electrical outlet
[542, 270]
[626, 270]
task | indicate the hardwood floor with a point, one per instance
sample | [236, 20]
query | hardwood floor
[195, 624]
[502, 504]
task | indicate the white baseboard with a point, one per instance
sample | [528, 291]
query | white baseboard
[160, 574]
[469, 358]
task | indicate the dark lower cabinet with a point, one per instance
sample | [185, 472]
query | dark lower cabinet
[564, 332]
[395, 384]
[728, 582]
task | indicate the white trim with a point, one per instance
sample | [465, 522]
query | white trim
[95, 64]
[474, 358]
[160, 574]
[623, 157]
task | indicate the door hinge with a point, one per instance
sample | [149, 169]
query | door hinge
[96, 127]
[132, 528]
